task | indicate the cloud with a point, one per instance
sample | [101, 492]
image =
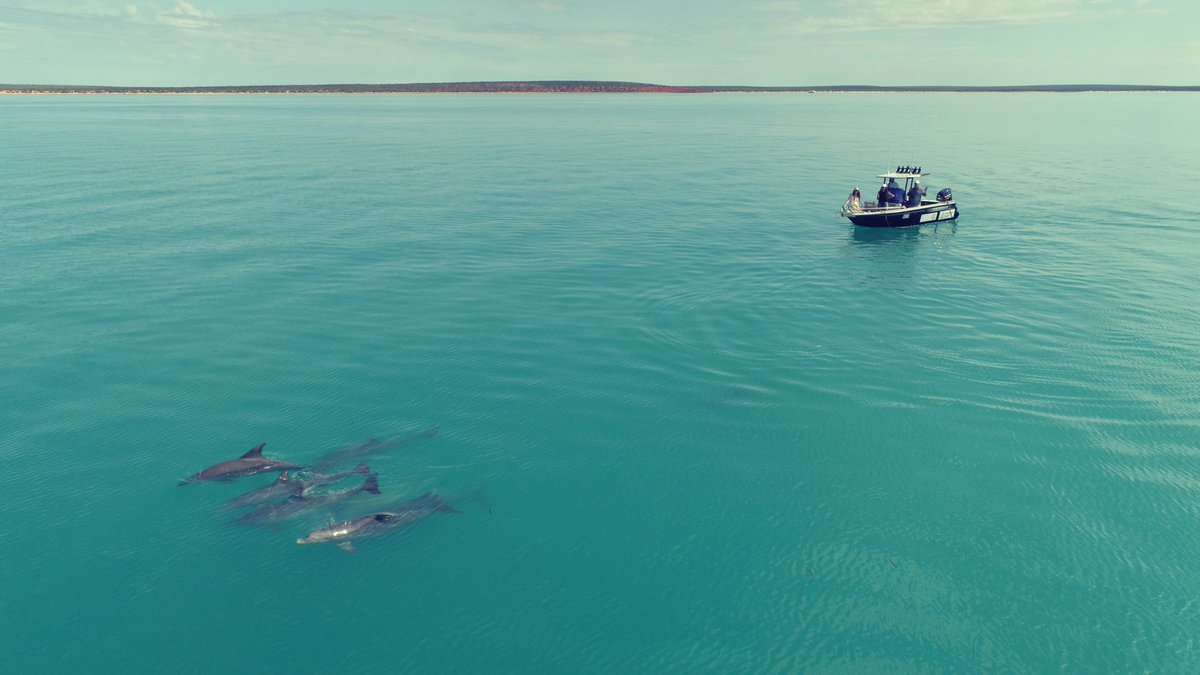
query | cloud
[881, 15]
[546, 6]
[615, 39]
[184, 15]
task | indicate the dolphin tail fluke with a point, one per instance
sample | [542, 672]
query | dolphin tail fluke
[372, 484]
[256, 451]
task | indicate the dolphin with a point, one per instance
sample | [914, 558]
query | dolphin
[299, 503]
[285, 487]
[247, 465]
[318, 479]
[282, 486]
[371, 446]
[345, 533]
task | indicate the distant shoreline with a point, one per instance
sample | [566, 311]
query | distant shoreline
[567, 87]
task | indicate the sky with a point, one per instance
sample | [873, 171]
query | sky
[680, 42]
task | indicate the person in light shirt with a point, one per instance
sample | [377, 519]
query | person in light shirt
[853, 202]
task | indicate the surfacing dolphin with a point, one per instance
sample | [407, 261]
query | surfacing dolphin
[299, 503]
[319, 479]
[345, 533]
[371, 446]
[286, 486]
[247, 465]
[281, 487]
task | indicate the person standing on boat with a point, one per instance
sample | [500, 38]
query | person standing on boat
[897, 197]
[853, 202]
[915, 193]
[884, 196]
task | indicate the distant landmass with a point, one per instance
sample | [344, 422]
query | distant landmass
[553, 86]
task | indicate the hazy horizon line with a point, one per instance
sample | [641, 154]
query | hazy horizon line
[566, 86]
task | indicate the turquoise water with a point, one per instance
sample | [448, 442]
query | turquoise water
[694, 421]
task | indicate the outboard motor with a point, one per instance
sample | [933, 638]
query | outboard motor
[944, 195]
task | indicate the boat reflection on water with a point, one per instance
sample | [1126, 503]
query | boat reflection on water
[892, 257]
[897, 237]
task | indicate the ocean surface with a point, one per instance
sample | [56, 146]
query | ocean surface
[692, 421]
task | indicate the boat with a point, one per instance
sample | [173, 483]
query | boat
[901, 202]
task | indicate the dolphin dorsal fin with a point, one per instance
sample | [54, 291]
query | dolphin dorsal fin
[283, 477]
[372, 484]
[362, 468]
[383, 517]
[254, 452]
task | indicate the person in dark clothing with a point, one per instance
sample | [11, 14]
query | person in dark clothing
[884, 196]
[915, 193]
[897, 197]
